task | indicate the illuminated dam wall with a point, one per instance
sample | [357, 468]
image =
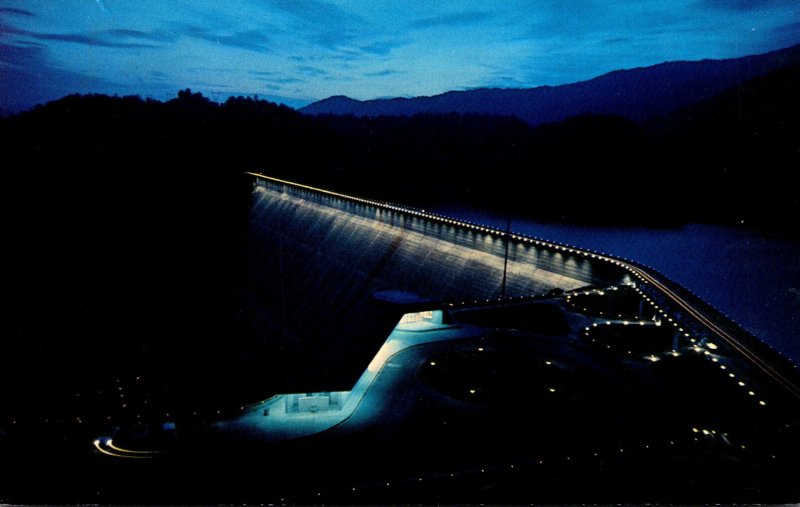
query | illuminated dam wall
[314, 260]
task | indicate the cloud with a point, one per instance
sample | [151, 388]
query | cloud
[16, 12]
[311, 71]
[251, 40]
[782, 36]
[108, 38]
[19, 55]
[274, 78]
[452, 19]
[383, 47]
[261, 73]
[206, 84]
[6, 30]
[282, 80]
[29, 78]
[747, 5]
[122, 33]
[790, 29]
[613, 41]
[96, 40]
[323, 24]
[316, 12]
[382, 73]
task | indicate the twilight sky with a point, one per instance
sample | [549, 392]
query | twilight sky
[299, 51]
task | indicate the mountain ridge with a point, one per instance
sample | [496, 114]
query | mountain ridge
[637, 94]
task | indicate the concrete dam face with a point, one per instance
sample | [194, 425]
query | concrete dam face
[314, 262]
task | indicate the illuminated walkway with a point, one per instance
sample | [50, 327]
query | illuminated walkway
[288, 416]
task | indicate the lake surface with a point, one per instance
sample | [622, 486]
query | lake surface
[752, 278]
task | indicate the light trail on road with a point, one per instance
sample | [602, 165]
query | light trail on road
[717, 330]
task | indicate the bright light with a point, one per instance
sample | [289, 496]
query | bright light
[711, 345]
[384, 353]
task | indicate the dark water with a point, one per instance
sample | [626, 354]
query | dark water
[753, 279]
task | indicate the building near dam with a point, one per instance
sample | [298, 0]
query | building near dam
[409, 357]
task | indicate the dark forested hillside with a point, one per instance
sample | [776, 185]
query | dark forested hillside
[738, 153]
[121, 223]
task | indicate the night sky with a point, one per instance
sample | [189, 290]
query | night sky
[299, 51]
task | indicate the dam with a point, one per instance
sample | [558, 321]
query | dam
[320, 267]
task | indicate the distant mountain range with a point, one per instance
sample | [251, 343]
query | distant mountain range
[637, 94]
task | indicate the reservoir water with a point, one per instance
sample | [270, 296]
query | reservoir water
[752, 278]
